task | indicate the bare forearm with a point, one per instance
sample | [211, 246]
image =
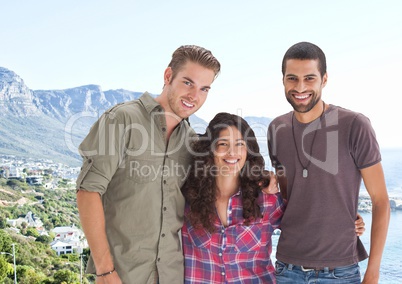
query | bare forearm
[379, 229]
[93, 223]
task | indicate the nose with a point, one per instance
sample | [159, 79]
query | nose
[231, 150]
[193, 94]
[300, 86]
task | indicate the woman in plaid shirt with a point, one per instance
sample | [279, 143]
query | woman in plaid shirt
[228, 219]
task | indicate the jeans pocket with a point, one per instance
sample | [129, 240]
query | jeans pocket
[280, 268]
[350, 272]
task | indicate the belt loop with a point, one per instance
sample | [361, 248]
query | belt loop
[290, 266]
[326, 269]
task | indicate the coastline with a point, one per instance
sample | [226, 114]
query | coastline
[365, 204]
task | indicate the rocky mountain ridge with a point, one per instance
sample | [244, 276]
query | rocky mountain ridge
[33, 123]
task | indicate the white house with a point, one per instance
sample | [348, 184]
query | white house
[68, 239]
[61, 247]
[14, 172]
[30, 219]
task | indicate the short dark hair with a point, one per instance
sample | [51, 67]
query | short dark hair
[194, 54]
[306, 51]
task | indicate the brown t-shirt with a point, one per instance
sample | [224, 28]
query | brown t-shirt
[318, 225]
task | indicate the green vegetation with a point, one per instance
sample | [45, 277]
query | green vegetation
[36, 262]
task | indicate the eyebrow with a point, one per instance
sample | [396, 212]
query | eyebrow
[192, 82]
[188, 79]
[308, 75]
[226, 139]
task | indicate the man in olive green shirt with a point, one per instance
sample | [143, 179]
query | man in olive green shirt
[135, 159]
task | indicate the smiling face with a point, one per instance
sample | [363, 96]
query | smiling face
[303, 84]
[230, 152]
[188, 90]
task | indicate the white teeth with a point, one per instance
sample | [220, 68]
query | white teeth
[231, 161]
[302, 97]
[187, 104]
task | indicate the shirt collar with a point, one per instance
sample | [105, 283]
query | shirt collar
[238, 193]
[149, 103]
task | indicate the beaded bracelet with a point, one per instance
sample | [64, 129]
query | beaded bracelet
[106, 274]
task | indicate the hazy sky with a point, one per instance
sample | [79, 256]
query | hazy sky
[127, 44]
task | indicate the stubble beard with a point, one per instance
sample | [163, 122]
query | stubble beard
[303, 108]
[174, 102]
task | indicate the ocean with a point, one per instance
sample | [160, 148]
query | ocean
[391, 264]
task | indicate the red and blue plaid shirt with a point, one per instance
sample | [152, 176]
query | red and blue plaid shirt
[236, 253]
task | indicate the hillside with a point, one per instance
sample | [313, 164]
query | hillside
[36, 261]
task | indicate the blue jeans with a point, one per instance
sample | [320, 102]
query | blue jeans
[293, 274]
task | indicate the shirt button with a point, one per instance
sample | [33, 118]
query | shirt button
[220, 254]
[164, 208]
[163, 129]
[223, 231]
[164, 181]
[223, 273]
[159, 259]
[163, 235]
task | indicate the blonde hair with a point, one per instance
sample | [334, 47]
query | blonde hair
[194, 54]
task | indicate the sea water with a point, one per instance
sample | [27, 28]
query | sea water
[391, 264]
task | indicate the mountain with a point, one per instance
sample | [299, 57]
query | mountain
[38, 124]
[50, 124]
[16, 99]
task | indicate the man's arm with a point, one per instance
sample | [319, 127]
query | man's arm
[374, 181]
[93, 223]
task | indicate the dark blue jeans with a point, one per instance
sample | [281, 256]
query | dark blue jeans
[293, 274]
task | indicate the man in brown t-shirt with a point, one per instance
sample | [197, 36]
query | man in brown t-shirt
[324, 151]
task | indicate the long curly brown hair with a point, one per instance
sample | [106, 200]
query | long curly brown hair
[200, 189]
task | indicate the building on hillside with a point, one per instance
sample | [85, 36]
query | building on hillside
[48, 185]
[34, 180]
[61, 247]
[15, 172]
[30, 219]
[68, 239]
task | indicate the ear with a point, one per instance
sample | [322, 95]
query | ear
[167, 76]
[324, 80]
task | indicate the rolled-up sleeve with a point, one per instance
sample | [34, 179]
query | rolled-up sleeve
[101, 151]
[277, 209]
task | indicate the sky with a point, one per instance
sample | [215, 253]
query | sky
[128, 44]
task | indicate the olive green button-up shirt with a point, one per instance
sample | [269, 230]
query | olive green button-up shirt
[128, 160]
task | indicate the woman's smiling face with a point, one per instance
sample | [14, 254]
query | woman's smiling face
[230, 152]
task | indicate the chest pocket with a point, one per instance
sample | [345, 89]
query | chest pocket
[200, 238]
[143, 166]
[251, 238]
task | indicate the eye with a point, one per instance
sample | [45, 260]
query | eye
[187, 83]
[221, 144]
[240, 144]
[221, 147]
[206, 89]
[291, 78]
[310, 78]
